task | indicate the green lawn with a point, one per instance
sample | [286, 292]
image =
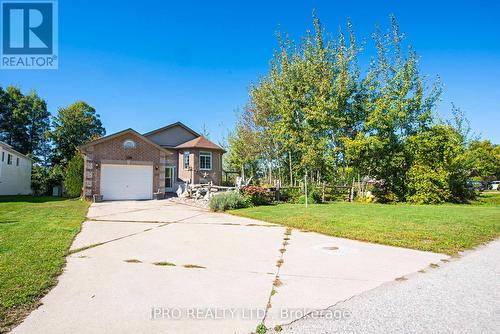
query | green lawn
[35, 234]
[438, 228]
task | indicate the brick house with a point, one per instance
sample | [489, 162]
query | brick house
[130, 165]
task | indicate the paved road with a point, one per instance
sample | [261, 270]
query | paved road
[118, 279]
[462, 296]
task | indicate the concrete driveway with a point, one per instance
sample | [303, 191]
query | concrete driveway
[230, 273]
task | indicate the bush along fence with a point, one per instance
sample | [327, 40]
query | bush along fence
[252, 195]
[366, 190]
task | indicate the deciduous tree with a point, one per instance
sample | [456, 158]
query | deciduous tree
[74, 125]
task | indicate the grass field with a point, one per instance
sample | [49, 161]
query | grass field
[35, 234]
[438, 228]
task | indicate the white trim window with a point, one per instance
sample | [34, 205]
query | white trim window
[205, 160]
[185, 159]
[9, 159]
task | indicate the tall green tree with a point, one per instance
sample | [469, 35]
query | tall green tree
[396, 105]
[25, 121]
[73, 178]
[74, 125]
[302, 108]
[37, 127]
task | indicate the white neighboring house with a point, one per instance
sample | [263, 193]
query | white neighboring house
[15, 171]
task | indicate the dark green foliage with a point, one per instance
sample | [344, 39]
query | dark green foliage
[382, 193]
[39, 180]
[43, 178]
[227, 201]
[73, 180]
[290, 194]
[56, 176]
[24, 121]
[313, 197]
[315, 194]
[74, 126]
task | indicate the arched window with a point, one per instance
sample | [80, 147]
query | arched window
[128, 144]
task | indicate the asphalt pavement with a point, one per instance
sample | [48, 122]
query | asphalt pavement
[460, 296]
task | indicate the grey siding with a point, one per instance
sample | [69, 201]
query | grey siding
[171, 137]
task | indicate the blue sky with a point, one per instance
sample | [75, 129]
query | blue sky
[144, 64]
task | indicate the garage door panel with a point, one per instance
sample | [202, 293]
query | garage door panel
[126, 182]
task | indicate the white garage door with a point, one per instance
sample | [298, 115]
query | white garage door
[126, 182]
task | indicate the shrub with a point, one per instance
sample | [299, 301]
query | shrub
[313, 197]
[382, 192]
[257, 195]
[310, 200]
[73, 180]
[428, 186]
[439, 171]
[227, 201]
[368, 198]
[314, 194]
[289, 194]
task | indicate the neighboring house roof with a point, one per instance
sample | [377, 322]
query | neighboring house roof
[129, 130]
[9, 148]
[200, 142]
[182, 125]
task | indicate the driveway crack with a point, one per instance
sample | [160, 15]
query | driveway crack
[81, 249]
[162, 224]
[279, 264]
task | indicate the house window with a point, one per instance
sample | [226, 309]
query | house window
[129, 144]
[185, 157]
[3, 156]
[9, 159]
[17, 161]
[205, 160]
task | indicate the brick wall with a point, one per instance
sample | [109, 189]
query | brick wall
[214, 175]
[112, 151]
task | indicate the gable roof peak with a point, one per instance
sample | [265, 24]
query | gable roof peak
[119, 133]
[182, 125]
[200, 142]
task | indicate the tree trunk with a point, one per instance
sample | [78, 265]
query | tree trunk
[290, 162]
[351, 195]
[270, 171]
[279, 171]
